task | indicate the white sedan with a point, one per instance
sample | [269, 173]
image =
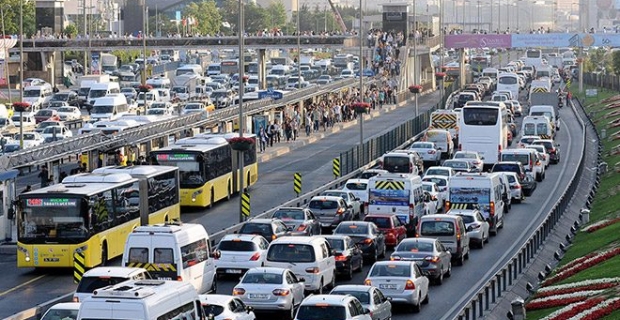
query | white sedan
[31, 139]
[69, 113]
[239, 253]
[225, 307]
[402, 281]
[428, 151]
[59, 131]
[436, 195]
[477, 227]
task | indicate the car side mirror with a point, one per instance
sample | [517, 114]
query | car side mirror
[350, 206]
[470, 228]
[301, 280]
[333, 252]
[366, 311]
[387, 299]
[215, 254]
[249, 309]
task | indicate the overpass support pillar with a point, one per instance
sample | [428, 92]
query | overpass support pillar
[261, 69]
[7, 210]
[462, 77]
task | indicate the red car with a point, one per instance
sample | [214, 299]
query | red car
[393, 229]
[46, 114]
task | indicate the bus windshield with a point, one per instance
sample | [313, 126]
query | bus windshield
[192, 174]
[52, 219]
[480, 116]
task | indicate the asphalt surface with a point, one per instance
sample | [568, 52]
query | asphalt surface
[25, 288]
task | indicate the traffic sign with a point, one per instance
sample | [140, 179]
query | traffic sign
[336, 167]
[297, 183]
[245, 204]
[270, 93]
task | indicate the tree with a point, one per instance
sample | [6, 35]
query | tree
[616, 61]
[208, 19]
[11, 9]
[71, 30]
[163, 25]
[276, 15]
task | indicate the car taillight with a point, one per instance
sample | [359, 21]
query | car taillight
[460, 147]
[255, 256]
[381, 164]
[280, 292]
[367, 282]
[515, 186]
[273, 237]
[410, 285]
[367, 241]
[431, 151]
[340, 211]
[552, 151]
[458, 233]
[411, 167]
[179, 278]
[499, 148]
[492, 208]
[76, 299]
[302, 227]
[340, 257]
[476, 162]
[395, 258]
[531, 163]
[432, 259]
[312, 270]
[475, 226]
[238, 292]
[447, 206]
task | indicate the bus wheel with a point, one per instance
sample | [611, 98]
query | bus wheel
[228, 192]
[104, 254]
[212, 201]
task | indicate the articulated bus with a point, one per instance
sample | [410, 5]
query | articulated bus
[208, 167]
[92, 213]
[483, 127]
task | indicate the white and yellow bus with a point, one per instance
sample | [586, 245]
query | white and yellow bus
[208, 167]
[92, 213]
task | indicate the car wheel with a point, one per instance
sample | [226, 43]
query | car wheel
[426, 299]
[416, 307]
[350, 272]
[539, 177]
[481, 245]
[360, 266]
[214, 285]
[439, 280]
[460, 261]
[466, 256]
[383, 251]
[449, 271]
[320, 289]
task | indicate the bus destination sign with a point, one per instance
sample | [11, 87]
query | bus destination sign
[176, 157]
[51, 202]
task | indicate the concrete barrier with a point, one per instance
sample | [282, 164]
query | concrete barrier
[37, 312]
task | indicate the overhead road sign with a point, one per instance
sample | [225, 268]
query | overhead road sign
[527, 40]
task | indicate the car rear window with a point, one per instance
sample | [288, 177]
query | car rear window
[415, 246]
[437, 228]
[467, 218]
[396, 164]
[212, 309]
[237, 246]
[362, 296]
[437, 181]
[263, 277]
[355, 186]
[90, 284]
[323, 204]
[321, 312]
[336, 244]
[290, 253]
[351, 229]
[381, 222]
[391, 270]
[523, 158]
[505, 167]
[256, 228]
[511, 179]
[289, 215]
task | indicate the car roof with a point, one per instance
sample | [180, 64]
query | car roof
[66, 306]
[335, 236]
[220, 299]
[266, 270]
[297, 240]
[419, 239]
[357, 181]
[113, 272]
[262, 220]
[328, 298]
[353, 287]
[320, 198]
[293, 208]
[241, 237]
[468, 212]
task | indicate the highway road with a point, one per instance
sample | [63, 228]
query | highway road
[24, 288]
[21, 289]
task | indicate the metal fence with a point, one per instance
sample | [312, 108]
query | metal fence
[508, 274]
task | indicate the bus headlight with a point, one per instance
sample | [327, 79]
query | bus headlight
[25, 252]
[81, 249]
[195, 194]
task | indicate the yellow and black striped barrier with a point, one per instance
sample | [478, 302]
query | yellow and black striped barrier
[390, 185]
[166, 267]
[540, 90]
[245, 204]
[297, 183]
[336, 167]
[79, 266]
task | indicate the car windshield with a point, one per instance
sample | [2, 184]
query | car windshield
[437, 172]
[321, 312]
[290, 253]
[52, 129]
[362, 296]
[45, 113]
[467, 218]
[415, 246]
[60, 314]
[289, 215]
[437, 181]
[236, 245]
[263, 278]
[156, 111]
[10, 148]
[391, 270]
[323, 204]
[381, 222]
[60, 97]
[351, 229]
[193, 107]
[356, 186]
[213, 309]
[218, 94]
[465, 156]
[65, 109]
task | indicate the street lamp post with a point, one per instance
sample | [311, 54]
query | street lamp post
[361, 72]
[6, 57]
[570, 17]
[144, 33]
[240, 154]
[415, 53]
[21, 72]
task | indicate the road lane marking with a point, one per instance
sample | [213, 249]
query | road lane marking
[21, 285]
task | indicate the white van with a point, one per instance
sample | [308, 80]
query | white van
[402, 161]
[109, 107]
[38, 96]
[146, 99]
[481, 190]
[444, 141]
[547, 111]
[100, 277]
[189, 68]
[399, 194]
[100, 90]
[529, 158]
[450, 230]
[214, 69]
[143, 299]
[310, 258]
[173, 252]
[537, 126]
[159, 83]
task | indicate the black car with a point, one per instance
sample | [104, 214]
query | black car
[271, 229]
[68, 96]
[366, 235]
[348, 255]
[527, 182]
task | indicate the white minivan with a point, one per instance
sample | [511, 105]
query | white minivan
[173, 252]
[38, 96]
[310, 258]
[547, 111]
[100, 90]
[109, 107]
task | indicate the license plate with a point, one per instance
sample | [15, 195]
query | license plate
[234, 271]
[387, 286]
[258, 296]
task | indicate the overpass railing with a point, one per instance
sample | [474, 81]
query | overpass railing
[99, 141]
[489, 293]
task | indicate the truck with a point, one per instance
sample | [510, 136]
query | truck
[544, 98]
[188, 81]
[109, 63]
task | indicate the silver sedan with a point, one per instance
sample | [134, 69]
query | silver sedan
[477, 227]
[275, 289]
[371, 298]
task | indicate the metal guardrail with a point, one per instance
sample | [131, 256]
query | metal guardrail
[509, 272]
